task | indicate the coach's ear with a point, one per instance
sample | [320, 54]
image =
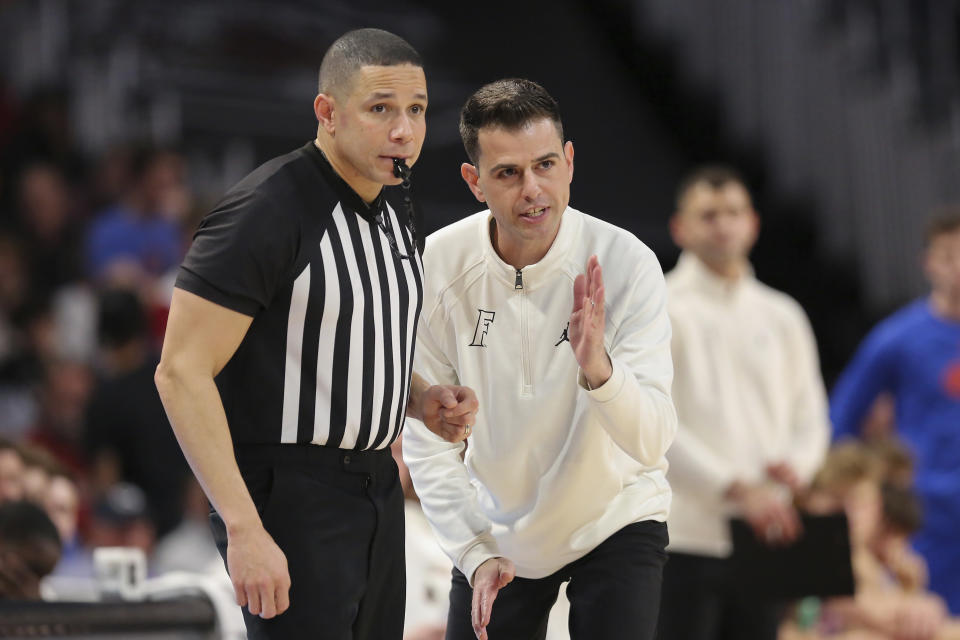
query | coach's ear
[472, 178]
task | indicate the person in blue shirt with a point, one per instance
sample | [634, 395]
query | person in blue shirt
[140, 233]
[914, 355]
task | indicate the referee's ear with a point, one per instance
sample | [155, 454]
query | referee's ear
[472, 178]
[323, 108]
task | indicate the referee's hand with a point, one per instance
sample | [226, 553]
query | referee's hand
[488, 579]
[258, 570]
[450, 411]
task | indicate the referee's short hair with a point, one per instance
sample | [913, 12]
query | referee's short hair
[509, 104]
[359, 48]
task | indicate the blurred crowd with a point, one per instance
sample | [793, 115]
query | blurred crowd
[88, 253]
[872, 483]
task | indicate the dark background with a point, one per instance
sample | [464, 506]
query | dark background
[843, 116]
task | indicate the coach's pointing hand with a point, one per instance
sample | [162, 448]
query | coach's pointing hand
[488, 579]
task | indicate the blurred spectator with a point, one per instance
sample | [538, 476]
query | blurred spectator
[63, 402]
[121, 518]
[110, 177]
[14, 275]
[62, 504]
[880, 421]
[43, 134]
[139, 237]
[890, 601]
[38, 467]
[128, 436]
[897, 462]
[14, 284]
[915, 356]
[752, 411]
[189, 547]
[901, 517]
[11, 472]
[849, 481]
[34, 345]
[49, 233]
[8, 112]
[29, 550]
[17, 401]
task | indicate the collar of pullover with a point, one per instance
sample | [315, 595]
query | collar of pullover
[533, 274]
[695, 273]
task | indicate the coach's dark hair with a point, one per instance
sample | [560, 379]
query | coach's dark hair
[358, 48]
[945, 220]
[714, 176]
[510, 104]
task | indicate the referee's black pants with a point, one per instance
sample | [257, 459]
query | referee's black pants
[338, 517]
[614, 593]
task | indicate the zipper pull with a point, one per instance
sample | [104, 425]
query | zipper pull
[519, 282]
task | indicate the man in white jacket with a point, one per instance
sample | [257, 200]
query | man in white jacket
[564, 478]
[752, 411]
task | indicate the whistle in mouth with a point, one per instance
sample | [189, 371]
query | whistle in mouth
[400, 169]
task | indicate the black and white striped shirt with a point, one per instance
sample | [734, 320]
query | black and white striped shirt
[328, 356]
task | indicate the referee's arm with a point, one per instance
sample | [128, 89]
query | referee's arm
[201, 338]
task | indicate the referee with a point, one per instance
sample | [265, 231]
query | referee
[286, 367]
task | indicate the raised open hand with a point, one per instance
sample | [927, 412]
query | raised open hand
[587, 325]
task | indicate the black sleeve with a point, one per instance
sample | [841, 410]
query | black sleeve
[241, 252]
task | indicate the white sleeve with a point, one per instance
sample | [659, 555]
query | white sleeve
[692, 462]
[697, 465]
[439, 476]
[634, 404]
[810, 433]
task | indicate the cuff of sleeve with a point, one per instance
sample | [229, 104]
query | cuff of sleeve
[189, 281]
[609, 389]
[484, 548]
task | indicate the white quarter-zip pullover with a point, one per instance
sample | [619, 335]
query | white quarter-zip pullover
[552, 469]
[748, 393]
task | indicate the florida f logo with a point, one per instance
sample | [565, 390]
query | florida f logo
[484, 320]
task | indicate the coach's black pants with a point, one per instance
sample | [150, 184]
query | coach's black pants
[702, 601]
[614, 592]
[338, 517]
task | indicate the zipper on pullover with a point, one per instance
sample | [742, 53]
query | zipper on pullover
[526, 382]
